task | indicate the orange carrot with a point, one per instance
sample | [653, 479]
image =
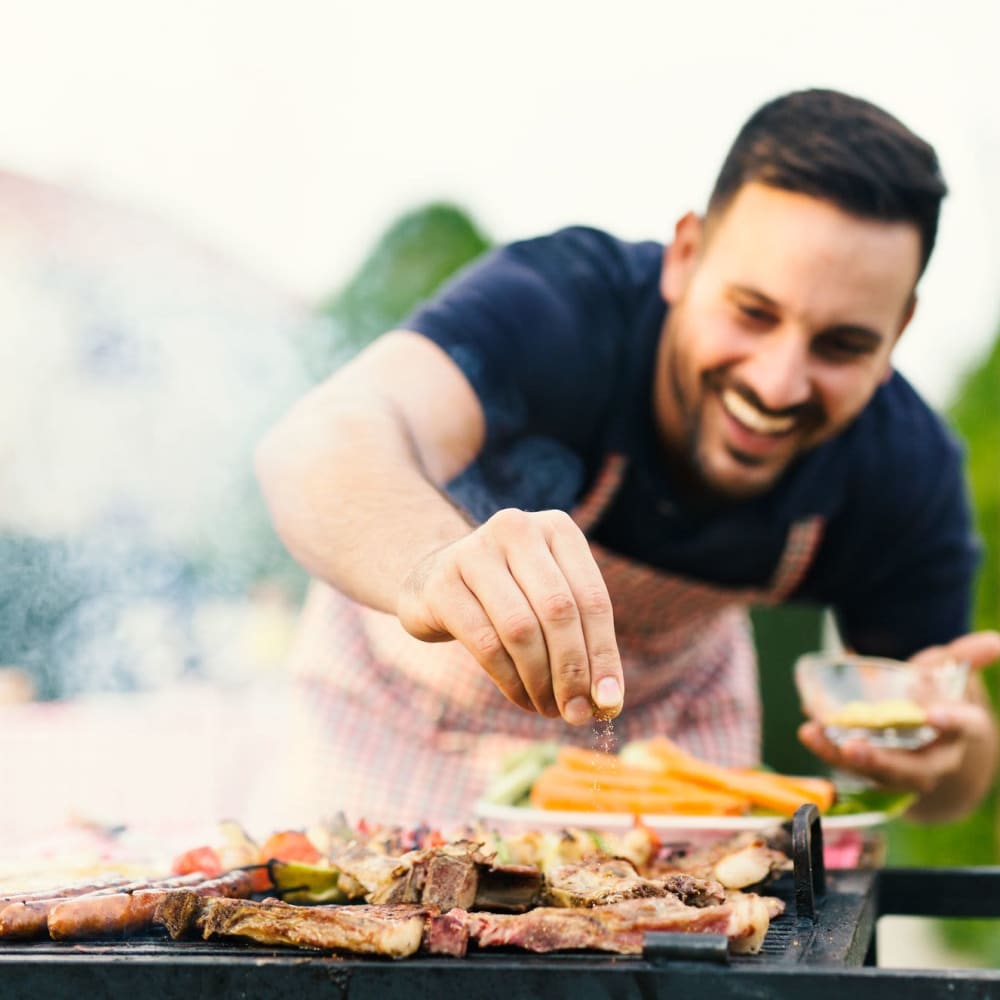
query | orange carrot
[820, 791]
[758, 786]
[635, 780]
[588, 760]
[562, 788]
[577, 799]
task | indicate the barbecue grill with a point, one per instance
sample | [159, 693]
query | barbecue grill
[822, 947]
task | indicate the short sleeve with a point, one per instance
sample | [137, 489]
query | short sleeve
[912, 583]
[537, 328]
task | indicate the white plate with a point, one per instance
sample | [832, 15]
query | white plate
[692, 829]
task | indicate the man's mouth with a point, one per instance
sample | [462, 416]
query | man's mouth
[743, 411]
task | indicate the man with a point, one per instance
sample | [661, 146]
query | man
[586, 457]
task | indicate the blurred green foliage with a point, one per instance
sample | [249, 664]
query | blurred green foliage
[781, 634]
[414, 257]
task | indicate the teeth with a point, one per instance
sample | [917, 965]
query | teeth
[748, 415]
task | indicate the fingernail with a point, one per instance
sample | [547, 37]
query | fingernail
[578, 711]
[608, 693]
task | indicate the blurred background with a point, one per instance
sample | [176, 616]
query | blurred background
[204, 207]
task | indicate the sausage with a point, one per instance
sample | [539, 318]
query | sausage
[63, 891]
[27, 917]
[117, 914]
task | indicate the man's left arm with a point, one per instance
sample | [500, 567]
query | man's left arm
[918, 564]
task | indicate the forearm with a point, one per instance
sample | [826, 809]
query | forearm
[350, 499]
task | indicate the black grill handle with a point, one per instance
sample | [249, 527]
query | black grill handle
[807, 859]
[672, 946]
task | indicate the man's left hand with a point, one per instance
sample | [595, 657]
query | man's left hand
[950, 774]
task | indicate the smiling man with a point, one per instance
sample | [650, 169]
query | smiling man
[784, 312]
[586, 458]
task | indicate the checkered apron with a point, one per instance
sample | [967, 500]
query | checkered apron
[398, 730]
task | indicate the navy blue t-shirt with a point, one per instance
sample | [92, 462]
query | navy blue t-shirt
[558, 337]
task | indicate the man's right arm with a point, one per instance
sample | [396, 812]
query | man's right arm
[350, 473]
[352, 477]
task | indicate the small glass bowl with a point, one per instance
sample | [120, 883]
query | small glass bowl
[878, 700]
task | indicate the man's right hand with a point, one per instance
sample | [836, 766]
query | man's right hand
[523, 594]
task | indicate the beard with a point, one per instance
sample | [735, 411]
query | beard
[688, 453]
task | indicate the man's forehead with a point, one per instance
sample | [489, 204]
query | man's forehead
[795, 248]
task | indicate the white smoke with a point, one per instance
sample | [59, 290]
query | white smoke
[137, 370]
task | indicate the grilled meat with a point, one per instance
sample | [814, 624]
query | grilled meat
[619, 927]
[394, 931]
[738, 862]
[402, 929]
[28, 918]
[597, 882]
[65, 891]
[457, 874]
[117, 914]
[508, 888]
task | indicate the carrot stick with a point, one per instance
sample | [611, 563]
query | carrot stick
[640, 781]
[557, 788]
[820, 791]
[588, 760]
[579, 799]
[758, 786]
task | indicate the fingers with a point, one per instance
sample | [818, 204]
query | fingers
[918, 771]
[569, 661]
[978, 649]
[959, 719]
[440, 606]
[607, 685]
[525, 596]
[497, 580]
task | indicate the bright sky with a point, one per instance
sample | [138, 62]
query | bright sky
[290, 133]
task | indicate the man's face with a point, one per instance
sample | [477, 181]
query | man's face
[783, 314]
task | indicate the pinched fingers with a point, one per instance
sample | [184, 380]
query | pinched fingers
[552, 565]
[523, 594]
[541, 623]
[514, 624]
[436, 605]
[606, 681]
[474, 627]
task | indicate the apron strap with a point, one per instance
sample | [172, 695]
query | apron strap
[803, 540]
[590, 508]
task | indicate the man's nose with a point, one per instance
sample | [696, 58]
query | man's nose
[777, 370]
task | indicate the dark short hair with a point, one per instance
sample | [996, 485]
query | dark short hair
[841, 149]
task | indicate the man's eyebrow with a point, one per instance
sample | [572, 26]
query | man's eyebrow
[752, 293]
[852, 329]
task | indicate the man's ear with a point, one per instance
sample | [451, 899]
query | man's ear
[681, 257]
[911, 308]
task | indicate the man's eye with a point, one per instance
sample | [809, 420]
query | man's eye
[843, 348]
[756, 315]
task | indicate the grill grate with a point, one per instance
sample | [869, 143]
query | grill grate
[783, 934]
[820, 948]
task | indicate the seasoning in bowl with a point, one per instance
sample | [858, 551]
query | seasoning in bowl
[882, 701]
